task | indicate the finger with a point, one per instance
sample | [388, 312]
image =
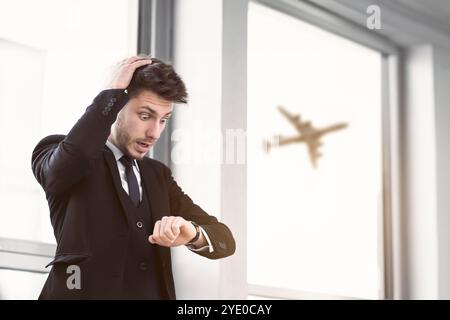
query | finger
[176, 225]
[155, 234]
[161, 228]
[150, 239]
[132, 59]
[162, 234]
[168, 229]
[140, 63]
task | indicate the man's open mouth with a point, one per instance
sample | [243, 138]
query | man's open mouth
[144, 144]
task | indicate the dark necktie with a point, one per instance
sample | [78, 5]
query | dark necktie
[133, 187]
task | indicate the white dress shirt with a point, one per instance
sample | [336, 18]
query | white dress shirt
[123, 179]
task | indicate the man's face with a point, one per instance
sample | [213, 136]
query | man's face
[140, 123]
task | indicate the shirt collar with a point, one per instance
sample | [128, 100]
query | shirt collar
[117, 152]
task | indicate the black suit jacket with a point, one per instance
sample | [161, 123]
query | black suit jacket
[80, 178]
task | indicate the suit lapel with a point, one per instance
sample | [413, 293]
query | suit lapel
[112, 166]
[152, 189]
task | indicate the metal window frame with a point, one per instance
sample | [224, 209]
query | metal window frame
[290, 294]
[23, 255]
[310, 12]
[389, 218]
[155, 38]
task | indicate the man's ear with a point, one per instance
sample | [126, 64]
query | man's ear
[115, 123]
[119, 117]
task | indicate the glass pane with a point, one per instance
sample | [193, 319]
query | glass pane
[313, 223]
[21, 285]
[52, 65]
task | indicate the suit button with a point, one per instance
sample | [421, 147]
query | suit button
[113, 100]
[104, 112]
[139, 224]
[143, 266]
[110, 104]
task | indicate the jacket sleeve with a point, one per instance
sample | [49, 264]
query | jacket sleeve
[182, 205]
[58, 161]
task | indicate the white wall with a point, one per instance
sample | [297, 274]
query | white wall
[420, 169]
[427, 205]
[198, 60]
[233, 271]
[442, 116]
[210, 54]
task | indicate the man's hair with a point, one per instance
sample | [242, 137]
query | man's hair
[161, 79]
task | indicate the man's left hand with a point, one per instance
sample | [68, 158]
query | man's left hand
[172, 231]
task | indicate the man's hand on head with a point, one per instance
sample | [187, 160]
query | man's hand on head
[172, 231]
[124, 71]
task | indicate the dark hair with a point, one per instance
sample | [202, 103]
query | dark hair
[161, 79]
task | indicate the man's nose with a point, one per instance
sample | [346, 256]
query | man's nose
[153, 131]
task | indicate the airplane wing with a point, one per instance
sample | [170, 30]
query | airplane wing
[302, 127]
[335, 127]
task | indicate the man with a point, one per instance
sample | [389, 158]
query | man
[116, 213]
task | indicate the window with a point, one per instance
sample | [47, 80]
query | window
[52, 65]
[313, 229]
[13, 283]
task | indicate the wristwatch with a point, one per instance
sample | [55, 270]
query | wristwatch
[197, 234]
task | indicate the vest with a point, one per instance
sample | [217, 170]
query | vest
[141, 278]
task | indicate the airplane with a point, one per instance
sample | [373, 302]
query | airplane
[307, 134]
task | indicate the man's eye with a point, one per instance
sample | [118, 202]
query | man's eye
[164, 120]
[144, 116]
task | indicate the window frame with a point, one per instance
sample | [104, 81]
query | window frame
[155, 38]
[32, 256]
[389, 217]
[23, 255]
